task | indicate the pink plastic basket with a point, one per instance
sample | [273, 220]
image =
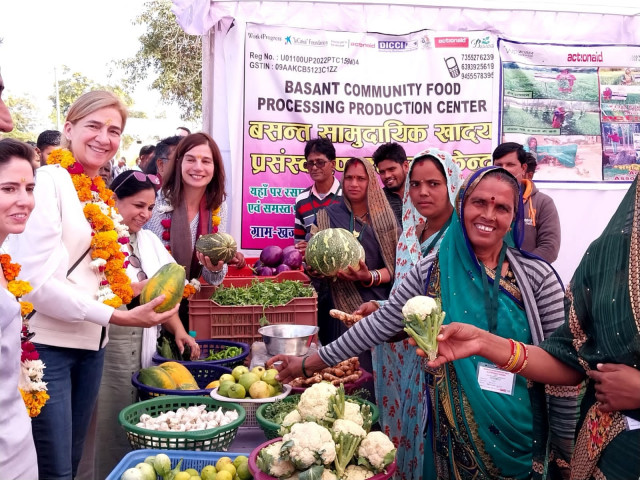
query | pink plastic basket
[259, 475]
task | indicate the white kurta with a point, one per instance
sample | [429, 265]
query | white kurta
[17, 452]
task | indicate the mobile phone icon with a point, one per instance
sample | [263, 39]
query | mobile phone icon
[452, 65]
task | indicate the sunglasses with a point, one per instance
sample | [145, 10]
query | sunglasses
[141, 177]
[318, 163]
[135, 262]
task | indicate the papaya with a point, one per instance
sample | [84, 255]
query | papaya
[169, 280]
[157, 377]
[180, 375]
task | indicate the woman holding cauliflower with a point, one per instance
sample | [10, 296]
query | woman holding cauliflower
[477, 432]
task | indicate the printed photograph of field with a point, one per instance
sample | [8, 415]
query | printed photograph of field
[565, 158]
[550, 117]
[524, 81]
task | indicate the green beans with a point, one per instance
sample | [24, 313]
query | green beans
[228, 352]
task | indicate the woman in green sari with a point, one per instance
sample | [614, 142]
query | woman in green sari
[600, 340]
[477, 432]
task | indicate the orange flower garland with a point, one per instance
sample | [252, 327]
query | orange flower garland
[32, 388]
[108, 231]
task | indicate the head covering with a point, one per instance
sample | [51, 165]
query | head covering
[409, 252]
[464, 285]
[385, 229]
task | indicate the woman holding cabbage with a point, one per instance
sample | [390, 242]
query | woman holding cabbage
[476, 433]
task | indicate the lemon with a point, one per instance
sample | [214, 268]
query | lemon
[208, 473]
[222, 461]
[224, 475]
[182, 476]
[239, 460]
[193, 472]
[229, 467]
[243, 472]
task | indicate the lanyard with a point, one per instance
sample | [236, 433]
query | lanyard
[491, 296]
[434, 242]
[352, 229]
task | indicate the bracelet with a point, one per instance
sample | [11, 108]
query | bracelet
[513, 354]
[379, 277]
[304, 372]
[370, 284]
[526, 358]
[516, 359]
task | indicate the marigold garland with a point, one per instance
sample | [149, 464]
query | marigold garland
[30, 384]
[109, 234]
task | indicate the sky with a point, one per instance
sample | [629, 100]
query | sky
[86, 36]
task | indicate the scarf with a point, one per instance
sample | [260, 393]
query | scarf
[385, 228]
[182, 250]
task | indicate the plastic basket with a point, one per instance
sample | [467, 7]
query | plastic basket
[206, 347]
[244, 276]
[203, 373]
[196, 460]
[250, 405]
[258, 475]
[215, 439]
[349, 388]
[271, 429]
[241, 323]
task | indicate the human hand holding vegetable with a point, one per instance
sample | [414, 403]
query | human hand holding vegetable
[291, 367]
[367, 308]
[183, 339]
[138, 286]
[423, 317]
[206, 262]
[143, 315]
[352, 275]
[455, 341]
[238, 260]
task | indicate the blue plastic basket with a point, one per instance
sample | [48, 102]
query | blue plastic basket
[202, 372]
[207, 346]
[195, 460]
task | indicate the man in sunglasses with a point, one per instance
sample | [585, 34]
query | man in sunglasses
[320, 162]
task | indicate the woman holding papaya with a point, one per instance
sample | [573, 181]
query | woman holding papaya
[431, 187]
[71, 254]
[190, 204]
[129, 348]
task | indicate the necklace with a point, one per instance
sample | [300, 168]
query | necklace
[32, 389]
[352, 226]
[109, 233]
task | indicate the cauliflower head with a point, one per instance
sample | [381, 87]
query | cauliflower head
[420, 305]
[348, 426]
[352, 412]
[376, 451]
[357, 472]
[314, 401]
[308, 444]
[269, 461]
[291, 418]
[328, 475]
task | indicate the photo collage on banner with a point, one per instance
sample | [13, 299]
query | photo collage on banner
[576, 108]
[426, 89]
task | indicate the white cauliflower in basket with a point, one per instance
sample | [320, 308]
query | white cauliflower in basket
[292, 417]
[328, 475]
[352, 412]
[348, 426]
[314, 401]
[308, 444]
[376, 451]
[269, 461]
[357, 472]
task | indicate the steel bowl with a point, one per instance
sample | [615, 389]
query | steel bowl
[287, 339]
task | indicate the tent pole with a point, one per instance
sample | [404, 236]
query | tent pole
[208, 61]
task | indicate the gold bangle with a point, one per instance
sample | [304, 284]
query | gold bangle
[526, 358]
[370, 284]
[511, 357]
[516, 358]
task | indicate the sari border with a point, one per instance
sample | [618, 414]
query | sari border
[634, 262]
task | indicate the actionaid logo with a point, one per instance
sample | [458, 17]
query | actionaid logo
[595, 57]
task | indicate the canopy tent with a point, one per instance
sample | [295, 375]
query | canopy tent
[584, 209]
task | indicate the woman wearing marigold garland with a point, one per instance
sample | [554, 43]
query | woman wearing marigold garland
[70, 253]
[17, 451]
[192, 204]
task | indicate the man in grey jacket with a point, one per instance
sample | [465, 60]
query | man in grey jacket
[542, 224]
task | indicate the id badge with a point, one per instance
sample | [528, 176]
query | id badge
[492, 379]
[631, 423]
